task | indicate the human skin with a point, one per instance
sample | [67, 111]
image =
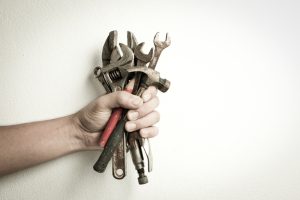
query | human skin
[26, 145]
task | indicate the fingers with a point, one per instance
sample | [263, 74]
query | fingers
[149, 93]
[141, 115]
[119, 99]
[149, 132]
[151, 102]
[125, 99]
[144, 122]
[145, 109]
[145, 116]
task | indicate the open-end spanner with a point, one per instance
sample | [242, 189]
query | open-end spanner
[131, 40]
[159, 47]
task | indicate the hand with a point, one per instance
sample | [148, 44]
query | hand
[91, 120]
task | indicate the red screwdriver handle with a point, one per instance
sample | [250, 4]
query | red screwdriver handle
[111, 124]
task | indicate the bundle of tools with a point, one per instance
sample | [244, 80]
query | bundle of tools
[122, 63]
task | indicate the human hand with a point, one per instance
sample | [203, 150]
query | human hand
[91, 120]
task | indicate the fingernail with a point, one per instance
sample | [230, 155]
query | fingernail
[133, 115]
[130, 126]
[136, 101]
[146, 97]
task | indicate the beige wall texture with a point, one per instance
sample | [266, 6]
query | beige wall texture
[229, 125]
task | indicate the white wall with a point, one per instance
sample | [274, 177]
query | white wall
[229, 125]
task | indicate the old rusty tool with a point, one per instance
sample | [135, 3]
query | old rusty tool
[131, 40]
[115, 138]
[119, 64]
[110, 44]
[115, 79]
[135, 141]
[159, 47]
[119, 167]
[110, 55]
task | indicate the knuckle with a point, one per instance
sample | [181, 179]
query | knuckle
[121, 97]
[153, 90]
[149, 132]
[157, 115]
[139, 124]
[98, 103]
[156, 131]
[157, 101]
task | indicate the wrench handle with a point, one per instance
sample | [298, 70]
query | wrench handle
[111, 145]
[154, 61]
[111, 124]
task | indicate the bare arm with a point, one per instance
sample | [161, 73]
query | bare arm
[29, 144]
[26, 145]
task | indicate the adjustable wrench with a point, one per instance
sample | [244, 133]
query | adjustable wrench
[115, 79]
[119, 156]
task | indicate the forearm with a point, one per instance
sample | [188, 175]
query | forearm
[25, 145]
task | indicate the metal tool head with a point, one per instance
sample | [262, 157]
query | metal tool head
[162, 44]
[110, 44]
[114, 76]
[142, 56]
[131, 40]
[126, 54]
[152, 78]
[142, 179]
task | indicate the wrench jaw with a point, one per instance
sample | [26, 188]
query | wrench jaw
[110, 44]
[162, 44]
[131, 40]
[142, 58]
[100, 76]
[113, 76]
[159, 47]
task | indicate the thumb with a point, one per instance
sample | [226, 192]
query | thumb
[120, 99]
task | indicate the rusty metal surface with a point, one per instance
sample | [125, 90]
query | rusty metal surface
[119, 160]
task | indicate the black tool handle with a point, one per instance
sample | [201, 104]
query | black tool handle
[111, 145]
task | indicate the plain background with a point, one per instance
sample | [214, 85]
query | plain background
[229, 125]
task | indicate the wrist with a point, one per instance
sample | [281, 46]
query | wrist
[87, 139]
[77, 134]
